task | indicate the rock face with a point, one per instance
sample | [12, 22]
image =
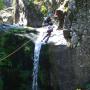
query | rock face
[16, 70]
[62, 73]
[8, 3]
[6, 16]
[70, 68]
[21, 13]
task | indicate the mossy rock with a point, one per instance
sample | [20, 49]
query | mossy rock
[16, 70]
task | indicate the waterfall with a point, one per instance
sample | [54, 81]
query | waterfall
[37, 49]
[36, 65]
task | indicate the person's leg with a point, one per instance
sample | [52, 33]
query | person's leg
[47, 38]
[44, 37]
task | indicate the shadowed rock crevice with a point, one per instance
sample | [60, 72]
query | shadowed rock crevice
[62, 73]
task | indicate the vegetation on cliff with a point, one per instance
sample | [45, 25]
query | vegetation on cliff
[16, 70]
[1, 4]
[71, 64]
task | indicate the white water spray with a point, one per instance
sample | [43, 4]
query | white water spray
[37, 49]
[36, 65]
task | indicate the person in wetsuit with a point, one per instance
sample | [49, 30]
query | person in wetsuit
[49, 31]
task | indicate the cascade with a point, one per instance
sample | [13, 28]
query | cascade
[36, 65]
[38, 45]
[37, 49]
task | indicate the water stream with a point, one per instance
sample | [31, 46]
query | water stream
[36, 65]
[37, 49]
[57, 38]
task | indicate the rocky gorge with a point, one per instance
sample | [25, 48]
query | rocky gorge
[61, 67]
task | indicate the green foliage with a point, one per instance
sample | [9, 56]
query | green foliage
[2, 53]
[43, 10]
[2, 49]
[24, 75]
[1, 4]
[17, 31]
[36, 1]
[80, 4]
[33, 7]
[16, 70]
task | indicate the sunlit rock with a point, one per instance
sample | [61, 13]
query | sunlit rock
[7, 15]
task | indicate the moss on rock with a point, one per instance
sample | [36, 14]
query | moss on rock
[16, 70]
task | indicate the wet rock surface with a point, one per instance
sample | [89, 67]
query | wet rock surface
[70, 67]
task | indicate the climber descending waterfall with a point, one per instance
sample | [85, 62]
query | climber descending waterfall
[37, 49]
[48, 34]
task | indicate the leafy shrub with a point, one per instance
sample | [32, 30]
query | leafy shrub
[43, 10]
[1, 4]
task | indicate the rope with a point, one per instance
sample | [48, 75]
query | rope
[15, 51]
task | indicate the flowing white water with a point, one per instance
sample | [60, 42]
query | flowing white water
[36, 65]
[37, 49]
[56, 38]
